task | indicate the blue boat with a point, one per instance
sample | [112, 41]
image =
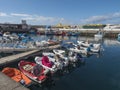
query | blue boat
[73, 33]
[49, 32]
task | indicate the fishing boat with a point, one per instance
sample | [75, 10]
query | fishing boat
[33, 71]
[16, 75]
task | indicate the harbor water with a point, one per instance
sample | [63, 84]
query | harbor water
[99, 72]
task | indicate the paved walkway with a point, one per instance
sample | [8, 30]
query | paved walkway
[13, 58]
[8, 84]
[16, 57]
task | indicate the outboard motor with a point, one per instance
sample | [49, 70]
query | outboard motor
[91, 45]
[79, 57]
[88, 49]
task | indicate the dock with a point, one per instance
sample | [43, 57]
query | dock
[12, 58]
[9, 50]
[8, 84]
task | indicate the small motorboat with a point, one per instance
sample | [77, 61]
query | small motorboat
[88, 44]
[56, 51]
[53, 42]
[79, 49]
[60, 62]
[46, 63]
[41, 43]
[33, 71]
[83, 43]
[99, 35]
[16, 75]
[74, 57]
[62, 55]
[95, 50]
[50, 55]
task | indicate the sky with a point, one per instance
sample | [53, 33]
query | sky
[52, 12]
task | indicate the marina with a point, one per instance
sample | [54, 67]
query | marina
[60, 45]
[93, 61]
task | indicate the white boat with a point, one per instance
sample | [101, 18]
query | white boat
[6, 34]
[61, 54]
[58, 51]
[87, 44]
[79, 50]
[95, 50]
[83, 43]
[74, 57]
[99, 35]
[38, 60]
[92, 48]
[41, 43]
[57, 61]
[50, 56]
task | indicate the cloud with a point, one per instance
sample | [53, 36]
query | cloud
[43, 19]
[101, 18]
[2, 14]
[20, 14]
[31, 18]
[36, 18]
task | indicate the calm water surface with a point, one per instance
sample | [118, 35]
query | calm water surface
[98, 73]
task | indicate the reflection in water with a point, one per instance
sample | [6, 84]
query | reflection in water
[53, 78]
[111, 42]
[50, 37]
[98, 72]
[95, 74]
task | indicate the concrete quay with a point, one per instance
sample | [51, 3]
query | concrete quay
[9, 50]
[12, 58]
[91, 32]
[8, 84]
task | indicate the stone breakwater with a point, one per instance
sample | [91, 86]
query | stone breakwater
[89, 32]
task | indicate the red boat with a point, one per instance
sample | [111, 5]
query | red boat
[33, 71]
